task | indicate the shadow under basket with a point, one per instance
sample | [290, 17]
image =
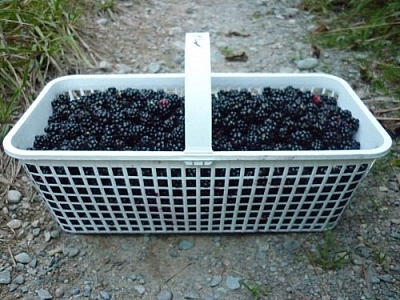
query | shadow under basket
[197, 190]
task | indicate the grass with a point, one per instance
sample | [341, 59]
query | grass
[226, 51]
[370, 26]
[379, 256]
[257, 290]
[330, 253]
[39, 39]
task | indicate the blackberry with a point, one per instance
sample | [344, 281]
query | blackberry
[115, 120]
[281, 119]
[302, 137]
[149, 120]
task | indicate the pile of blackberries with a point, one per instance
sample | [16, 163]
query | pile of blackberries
[129, 119]
[148, 120]
[281, 119]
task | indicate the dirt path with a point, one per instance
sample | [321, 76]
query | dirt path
[149, 36]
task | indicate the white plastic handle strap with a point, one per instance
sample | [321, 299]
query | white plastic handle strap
[198, 126]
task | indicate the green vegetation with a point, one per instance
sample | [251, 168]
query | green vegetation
[226, 51]
[330, 253]
[257, 290]
[379, 256]
[39, 39]
[370, 26]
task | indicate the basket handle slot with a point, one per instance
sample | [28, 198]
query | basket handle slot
[198, 123]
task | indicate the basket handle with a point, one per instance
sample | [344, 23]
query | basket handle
[198, 123]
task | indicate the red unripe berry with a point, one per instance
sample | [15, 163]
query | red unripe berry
[317, 99]
[164, 103]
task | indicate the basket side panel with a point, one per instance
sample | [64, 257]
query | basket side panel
[172, 197]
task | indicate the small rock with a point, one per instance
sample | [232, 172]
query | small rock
[105, 66]
[5, 277]
[35, 223]
[124, 69]
[189, 10]
[192, 295]
[24, 289]
[216, 239]
[174, 253]
[307, 63]
[36, 232]
[47, 236]
[23, 258]
[128, 4]
[20, 267]
[103, 21]
[291, 11]
[386, 278]
[42, 272]
[383, 189]
[363, 252]
[104, 295]
[394, 186]
[395, 235]
[215, 280]
[44, 295]
[87, 290]
[154, 67]
[74, 291]
[140, 289]
[20, 279]
[33, 263]
[14, 196]
[164, 295]
[55, 234]
[185, 245]
[373, 276]
[14, 224]
[132, 277]
[179, 59]
[12, 287]
[395, 221]
[291, 245]
[119, 55]
[71, 251]
[141, 279]
[232, 283]
[59, 292]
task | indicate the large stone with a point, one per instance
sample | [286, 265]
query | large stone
[307, 63]
[14, 224]
[164, 295]
[44, 295]
[23, 258]
[232, 283]
[185, 245]
[14, 197]
[105, 66]
[5, 277]
[154, 67]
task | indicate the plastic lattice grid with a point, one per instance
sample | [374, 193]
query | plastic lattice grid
[174, 197]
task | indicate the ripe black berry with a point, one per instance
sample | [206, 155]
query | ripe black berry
[149, 120]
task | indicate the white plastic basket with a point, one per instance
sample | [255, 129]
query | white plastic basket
[196, 190]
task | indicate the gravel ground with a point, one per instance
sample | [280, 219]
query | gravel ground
[39, 261]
